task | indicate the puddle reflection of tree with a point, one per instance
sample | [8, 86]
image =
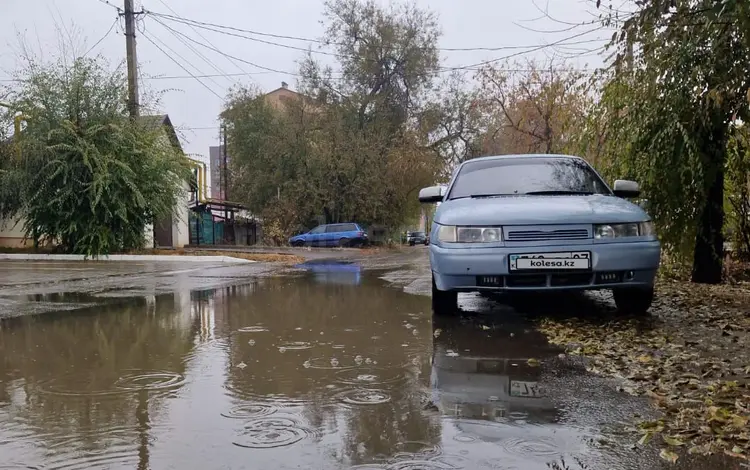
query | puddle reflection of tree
[70, 364]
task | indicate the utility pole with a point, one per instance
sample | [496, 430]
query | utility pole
[225, 171]
[132, 60]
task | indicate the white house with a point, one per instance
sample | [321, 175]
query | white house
[170, 232]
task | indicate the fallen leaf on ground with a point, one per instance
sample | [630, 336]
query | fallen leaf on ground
[668, 455]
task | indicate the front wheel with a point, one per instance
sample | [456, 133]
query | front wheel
[298, 244]
[443, 302]
[633, 300]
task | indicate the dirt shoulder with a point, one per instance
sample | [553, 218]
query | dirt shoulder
[691, 357]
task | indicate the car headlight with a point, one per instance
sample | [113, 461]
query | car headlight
[454, 234]
[641, 229]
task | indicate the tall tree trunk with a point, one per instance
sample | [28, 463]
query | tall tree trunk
[328, 216]
[709, 242]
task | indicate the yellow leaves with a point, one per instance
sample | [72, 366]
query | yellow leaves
[673, 441]
[736, 452]
[668, 455]
[704, 398]
[533, 362]
[739, 422]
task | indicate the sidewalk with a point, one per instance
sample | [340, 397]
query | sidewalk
[122, 258]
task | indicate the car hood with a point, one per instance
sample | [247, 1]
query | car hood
[529, 210]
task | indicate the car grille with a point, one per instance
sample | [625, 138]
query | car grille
[539, 280]
[539, 235]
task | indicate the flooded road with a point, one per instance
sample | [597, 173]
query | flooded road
[328, 369]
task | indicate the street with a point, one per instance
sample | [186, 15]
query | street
[333, 363]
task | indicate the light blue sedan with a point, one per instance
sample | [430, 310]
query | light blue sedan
[539, 223]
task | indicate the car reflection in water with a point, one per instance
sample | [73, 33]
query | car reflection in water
[333, 272]
[488, 386]
[487, 371]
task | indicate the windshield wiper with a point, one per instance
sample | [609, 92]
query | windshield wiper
[559, 193]
[476, 196]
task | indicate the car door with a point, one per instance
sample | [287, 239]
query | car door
[332, 235]
[317, 235]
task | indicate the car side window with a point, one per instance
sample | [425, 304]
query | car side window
[348, 228]
[318, 229]
[333, 229]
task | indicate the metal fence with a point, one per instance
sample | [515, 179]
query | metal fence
[207, 229]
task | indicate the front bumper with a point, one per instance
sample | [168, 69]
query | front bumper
[612, 265]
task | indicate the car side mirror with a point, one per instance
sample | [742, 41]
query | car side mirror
[431, 194]
[626, 189]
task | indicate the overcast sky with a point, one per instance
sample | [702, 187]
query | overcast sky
[194, 107]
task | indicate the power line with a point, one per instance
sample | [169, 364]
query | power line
[170, 77]
[196, 52]
[181, 66]
[178, 77]
[216, 75]
[538, 48]
[106, 2]
[209, 26]
[183, 58]
[163, 2]
[102, 38]
[228, 33]
[237, 58]
[475, 66]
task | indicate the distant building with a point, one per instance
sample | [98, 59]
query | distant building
[216, 157]
[283, 96]
[278, 99]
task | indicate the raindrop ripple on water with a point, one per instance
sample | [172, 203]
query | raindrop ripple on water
[266, 433]
[364, 397]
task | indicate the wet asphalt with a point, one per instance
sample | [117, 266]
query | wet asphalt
[328, 365]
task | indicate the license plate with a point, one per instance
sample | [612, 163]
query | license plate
[524, 389]
[542, 261]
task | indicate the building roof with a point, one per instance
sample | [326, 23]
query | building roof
[153, 122]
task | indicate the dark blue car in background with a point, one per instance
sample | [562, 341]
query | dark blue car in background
[349, 234]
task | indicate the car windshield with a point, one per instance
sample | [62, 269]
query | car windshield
[525, 176]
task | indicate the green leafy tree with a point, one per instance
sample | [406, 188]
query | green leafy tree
[350, 147]
[678, 79]
[89, 178]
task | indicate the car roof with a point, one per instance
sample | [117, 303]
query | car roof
[522, 155]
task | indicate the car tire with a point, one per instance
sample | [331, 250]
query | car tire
[633, 300]
[298, 244]
[344, 242]
[443, 302]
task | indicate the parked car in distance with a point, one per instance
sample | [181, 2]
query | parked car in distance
[348, 234]
[539, 223]
[414, 238]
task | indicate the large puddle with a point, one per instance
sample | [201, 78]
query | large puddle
[328, 370]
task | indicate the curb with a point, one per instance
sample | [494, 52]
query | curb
[188, 259]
